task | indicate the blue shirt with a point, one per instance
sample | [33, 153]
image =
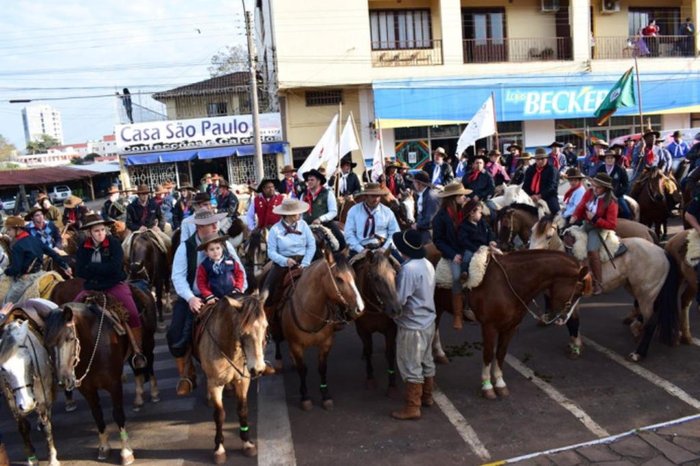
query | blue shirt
[415, 288]
[282, 245]
[49, 235]
[678, 150]
[574, 200]
[385, 225]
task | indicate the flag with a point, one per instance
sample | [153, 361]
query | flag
[621, 95]
[348, 143]
[377, 162]
[326, 148]
[482, 124]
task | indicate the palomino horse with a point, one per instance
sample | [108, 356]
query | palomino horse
[324, 295]
[646, 272]
[148, 262]
[231, 349]
[500, 301]
[677, 247]
[653, 208]
[26, 380]
[376, 280]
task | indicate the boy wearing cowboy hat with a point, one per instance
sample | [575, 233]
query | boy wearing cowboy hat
[574, 194]
[261, 209]
[427, 204]
[290, 184]
[74, 211]
[542, 181]
[620, 180]
[415, 287]
[440, 172]
[218, 275]
[370, 224]
[598, 211]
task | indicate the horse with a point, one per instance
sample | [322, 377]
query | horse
[677, 247]
[654, 286]
[500, 302]
[27, 383]
[254, 255]
[325, 296]
[515, 221]
[148, 262]
[231, 349]
[376, 281]
[653, 208]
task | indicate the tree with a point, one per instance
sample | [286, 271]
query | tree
[42, 144]
[228, 60]
[7, 150]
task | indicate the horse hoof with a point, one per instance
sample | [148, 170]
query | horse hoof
[128, 459]
[502, 392]
[102, 454]
[250, 451]
[371, 384]
[137, 408]
[441, 359]
[634, 357]
[31, 462]
[686, 340]
[489, 394]
[155, 398]
[328, 404]
[219, 457]
[574, 352]
[306, 405]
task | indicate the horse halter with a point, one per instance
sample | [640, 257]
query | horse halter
[76, 348]
[142, 270]
[34, 368]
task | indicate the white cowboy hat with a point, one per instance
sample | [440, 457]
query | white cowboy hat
[291, 207]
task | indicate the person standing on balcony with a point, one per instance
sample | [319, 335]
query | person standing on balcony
[688, 33]
[651, 33]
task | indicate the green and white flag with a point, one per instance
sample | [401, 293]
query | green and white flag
[621, 95]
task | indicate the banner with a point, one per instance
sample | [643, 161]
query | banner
[326, 149]
[621, 95]
[482, 124]
[231, 130]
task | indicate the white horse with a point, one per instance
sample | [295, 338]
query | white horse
[27, 383]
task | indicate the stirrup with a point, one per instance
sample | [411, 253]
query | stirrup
[139, 361]
[184, 391]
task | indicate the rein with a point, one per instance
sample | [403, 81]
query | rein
[76, 356]
[326, 320]
[224, 355]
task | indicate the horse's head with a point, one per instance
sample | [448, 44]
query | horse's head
[251, 327]
[255, 250]
[545, 234]
[506, 228]
[17, 366]
[342, 288]
[380, 282]
[565, 293]
[61, 338]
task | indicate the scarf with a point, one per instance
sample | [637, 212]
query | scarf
[473, 176]
[555, 160]
[290, 229]
[391, 184]
[310, 197]
[370, 223]
[216, 265]
[569, 193]
[144, 213]
[72, 215]
[535, 185]
[457, 217]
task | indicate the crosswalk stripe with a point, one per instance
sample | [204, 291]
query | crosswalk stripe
[464, 430]
[660, 382]
[695, 341]
[557, 396]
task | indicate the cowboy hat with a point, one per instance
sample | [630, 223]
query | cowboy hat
[612, 153]
[677, 134]
[207, 217]
[494, 152]
[223, 183]
[143, 189]
[215, 177]
[372, 189]
[288, 169]
[264, 182]
[15, 221]
[540, 153]
[525, 156]
[92, 220]
[439, 150]
[409, 243]
[31, 213]
[316, 174]
[568, 145]
[215, 238]
[41, 197]
[187, 187]
[422, 177]
[291, 206]
[574, 174]
[454, 189]
[114, 189]
[160, 189]
[600, 142]
[649, 131]
[602, 179]
[480, 156]
[72, 201]
[514, 146]
[392, 164]
[555, 144]
[201, 198]
[404, 165]
[347, 160]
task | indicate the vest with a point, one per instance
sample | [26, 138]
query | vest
[191, 248]
[263, 210]
[318, 207]
[221, 284]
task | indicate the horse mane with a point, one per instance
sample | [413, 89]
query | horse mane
[543, 224]
[526, 208]
[8, 345]
[54, 326]
[251, 310]
[254, 243]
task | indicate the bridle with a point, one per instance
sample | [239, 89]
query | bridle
[141, 270]
[75, 359]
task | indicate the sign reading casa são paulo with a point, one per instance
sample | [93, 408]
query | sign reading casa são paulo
[232, 130]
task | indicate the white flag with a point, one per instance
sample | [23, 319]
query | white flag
[377, 162]
[482, 124]
[326, 148]
[348, 143]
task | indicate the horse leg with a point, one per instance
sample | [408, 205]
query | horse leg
[633, 314]
[249, 448]
[323, 351]
[45, 418]
[367, 348]
[215, 395]
[298, 357]
[647, 334]
[117, 396]
[25, 430]
[503, 341]
[488, 334]
[138, 397]
[686, 302]
[390, 351]
[159, 303]
[155, 393]
[93, 399]
[278, 355]
[575, 342]
[439, 355]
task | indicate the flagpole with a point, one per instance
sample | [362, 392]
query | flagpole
[495, 122]
[357, 138]
[639, 96]
[336, 178]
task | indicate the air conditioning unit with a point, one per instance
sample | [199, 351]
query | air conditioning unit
[550, 6]
[610, 6]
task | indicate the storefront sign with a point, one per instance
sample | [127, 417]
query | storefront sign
[564, 103]
[232, 130]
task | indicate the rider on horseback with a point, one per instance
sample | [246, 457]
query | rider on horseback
[692, 216]
[51, 212]
[370, 223]
[144, 214]
[43, 229]
[574, 194]
[260, 211]
[323, 207]
[620, 181]
[100, 261]
[542, 181]
[226, 201]
[113, 208]
[598, 211]
[74, 211]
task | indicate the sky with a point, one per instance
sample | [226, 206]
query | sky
[79, 53]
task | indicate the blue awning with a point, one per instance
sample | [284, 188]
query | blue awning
[216, 152]
[148, 158]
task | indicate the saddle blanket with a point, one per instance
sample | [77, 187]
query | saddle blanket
[327, 235]
[692, 255]
[580, 251]
[160, 239]
[477, 270]
[36, 285]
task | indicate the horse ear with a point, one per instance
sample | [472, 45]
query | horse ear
[67, 313]
[387, 253]
[329, 256]
[234, 303]
[22, 330]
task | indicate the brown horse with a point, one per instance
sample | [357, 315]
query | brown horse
[653, 208]
[515, 221]
[148, 262]
[325, 295]
[376, 280]
[677, 248]
[231, 350]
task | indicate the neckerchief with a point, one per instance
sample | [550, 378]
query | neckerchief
[457, 217]
[569, 193]
[290, 229]
[72, 215]
[555, 160]
[310, 197]
[370, 223]
[535, 185]
[391, 184]
[473, 176]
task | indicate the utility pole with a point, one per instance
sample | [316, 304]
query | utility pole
[259, 169]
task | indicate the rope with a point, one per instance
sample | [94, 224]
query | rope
[76, 360]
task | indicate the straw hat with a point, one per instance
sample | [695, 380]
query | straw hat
[540, 153]
[601, 142]
[392, 164]
[215, 238]
[288, 169]
[372, 189]
[568, 145]
[207, 217]
[291, 206]
[574, 174]
[440, 150]
[92, 220]
[72, 201]
[454, 189]
[602, 179]
[15, 221]
[143, 189]
[409, 243]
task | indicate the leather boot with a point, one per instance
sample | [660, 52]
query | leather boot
[457, 310]
[4, 459]
[597, 270]
[184, 385]
[138, 359]
[427, 396]
[411, 409]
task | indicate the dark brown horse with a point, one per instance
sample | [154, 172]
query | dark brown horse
[677, 247]
[653, 207]
[148, 262]
[376, 280]
[515, 221]
[325, 295]
[231, 350]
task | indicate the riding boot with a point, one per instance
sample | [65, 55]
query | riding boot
[427, 396]
[138, 359]
[457, 310]
[697, 275]
[597, 270]
[4, 459]
[184, 385]
[411, 409]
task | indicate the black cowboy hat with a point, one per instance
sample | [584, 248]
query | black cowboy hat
[264, 182]
[347, 160]
[31, 213]
[602, 179]
[409, 243]
[555, 144]
[200, 198]
[92, 220]
[514, 146]
[649, 131]
[422, 177]
[612, 153]
[574, 174]
[316, 174]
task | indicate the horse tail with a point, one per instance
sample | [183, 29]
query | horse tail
[666, 304]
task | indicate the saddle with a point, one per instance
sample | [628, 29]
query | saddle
[156, 239]
[477, 269]
[34, 311]
[325, 233]
[580, 241]
[37, 285]
[113, 309]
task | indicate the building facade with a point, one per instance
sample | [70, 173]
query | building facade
[418, 70]
[41, 119]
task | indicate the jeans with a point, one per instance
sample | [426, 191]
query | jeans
[625, 211]
[594, 242]
[466, 259]
[179, 334]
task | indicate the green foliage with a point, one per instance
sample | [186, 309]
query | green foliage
[7, 149]
[42, 145]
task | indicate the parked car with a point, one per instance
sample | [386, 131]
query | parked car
[7, 204]
[59, 193]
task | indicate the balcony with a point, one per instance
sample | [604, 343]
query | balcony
[644, 47]
[407, 53]
[517, 50]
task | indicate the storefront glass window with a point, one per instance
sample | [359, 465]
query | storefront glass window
[576, 130]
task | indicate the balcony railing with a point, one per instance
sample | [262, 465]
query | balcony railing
[517, 49]
[643, 47]
[398, 53]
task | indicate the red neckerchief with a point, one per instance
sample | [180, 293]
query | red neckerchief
[391, 184]
[310, 197]
[473, 176]
[535, 185]
[568, 193]
[72, 215]
[457, 217]
[649, 156]
[21, 235]
[555, 160]
[90, 244]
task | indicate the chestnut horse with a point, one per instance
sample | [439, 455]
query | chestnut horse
[325, 295]
[231, 350]
[376, 280]
[677, 248]
[653, 208]
[148, 262]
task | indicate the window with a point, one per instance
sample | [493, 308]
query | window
[668, 20]
[328, 97]
[400, 29]
[484, 32]
[576, 130]
[217, 109]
